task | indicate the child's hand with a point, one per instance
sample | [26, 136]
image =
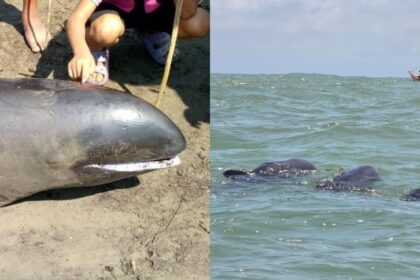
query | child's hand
[81, 66]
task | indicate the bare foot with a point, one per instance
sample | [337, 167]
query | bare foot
[36, 34]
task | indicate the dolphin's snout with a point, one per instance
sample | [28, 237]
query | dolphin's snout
[131, 130]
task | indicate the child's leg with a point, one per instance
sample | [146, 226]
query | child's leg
[195, 22]
[105, 30]
[156, 26]
[197, 25]
[36, 34]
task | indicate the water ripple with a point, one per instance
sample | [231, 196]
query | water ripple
[285, 229]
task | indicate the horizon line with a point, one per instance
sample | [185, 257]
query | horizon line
[308, 73]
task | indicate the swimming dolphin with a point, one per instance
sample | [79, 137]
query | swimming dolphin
[280, 169]
[357, 179]
[413, 195]
[59, 134]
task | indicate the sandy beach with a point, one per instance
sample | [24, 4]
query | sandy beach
[153, 227]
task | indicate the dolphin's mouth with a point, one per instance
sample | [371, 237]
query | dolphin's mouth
[134, 167]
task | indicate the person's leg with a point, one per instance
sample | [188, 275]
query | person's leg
[196, 26]
[104, 30]
[36, 34]
[196, 23]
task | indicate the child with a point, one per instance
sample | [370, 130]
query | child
[36, 35]
[106, 22]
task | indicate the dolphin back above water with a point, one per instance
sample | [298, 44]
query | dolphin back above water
[357, 179]
[280, 169]
[56, 134]
[413, 195]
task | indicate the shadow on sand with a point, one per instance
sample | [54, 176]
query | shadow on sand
[78, 192]
[11, 15]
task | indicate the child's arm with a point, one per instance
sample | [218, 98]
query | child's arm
[82, 64]
[189, 8]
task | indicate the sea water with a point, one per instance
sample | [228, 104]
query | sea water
[284, 229]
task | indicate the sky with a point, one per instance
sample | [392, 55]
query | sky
[375, 38]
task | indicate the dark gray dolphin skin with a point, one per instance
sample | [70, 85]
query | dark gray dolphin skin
[280, 169]
[58, 134]
[357, 179]
[413, 195]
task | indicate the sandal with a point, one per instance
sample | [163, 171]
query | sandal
[101, 74]
[157, 45]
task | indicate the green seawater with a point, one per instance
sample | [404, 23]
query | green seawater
[285, 229]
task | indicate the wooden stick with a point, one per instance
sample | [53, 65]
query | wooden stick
[168, 64]
[49, 17]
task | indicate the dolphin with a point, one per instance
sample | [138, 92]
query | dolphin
[279, 169]
[357, 179]
[60, 134]
[413, 195]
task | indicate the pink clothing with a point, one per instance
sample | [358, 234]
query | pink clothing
[150, 5]
[125, 5]
[128, 5]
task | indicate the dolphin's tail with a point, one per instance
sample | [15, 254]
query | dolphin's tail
[230, 173]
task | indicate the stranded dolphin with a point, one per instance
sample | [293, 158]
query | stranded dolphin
[279, 169]
[357, 179]
[56, 134]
